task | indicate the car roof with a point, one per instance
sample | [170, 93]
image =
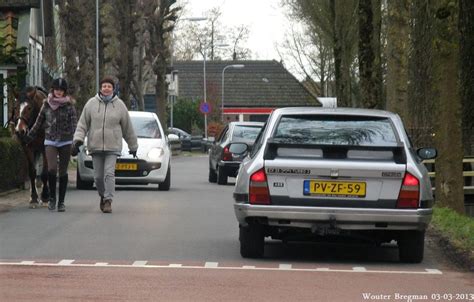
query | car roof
[246, 124]
[142, 113]
[334, 111]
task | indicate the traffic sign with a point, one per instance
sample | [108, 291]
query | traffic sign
[205, 107]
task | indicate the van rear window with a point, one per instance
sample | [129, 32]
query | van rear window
[335, 130]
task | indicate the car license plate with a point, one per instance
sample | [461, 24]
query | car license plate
[334, 188]
[126, 167]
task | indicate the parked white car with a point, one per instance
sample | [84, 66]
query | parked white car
[152, 165]
[317, 172]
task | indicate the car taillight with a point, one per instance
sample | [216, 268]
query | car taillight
[258, 189]
[227, 155]
[409, 193]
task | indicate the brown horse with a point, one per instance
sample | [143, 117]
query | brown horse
[26, 109]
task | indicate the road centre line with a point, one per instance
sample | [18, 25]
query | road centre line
[66, 262]
[214, 265]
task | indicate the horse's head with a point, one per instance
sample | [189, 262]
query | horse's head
[27, 108]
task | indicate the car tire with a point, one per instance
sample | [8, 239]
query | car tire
[165, 185]
[82, 184]
[252, 241]
[212, 175]
[221, 176]
[411, 245]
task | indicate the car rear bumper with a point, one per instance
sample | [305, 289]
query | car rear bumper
[230, 167]
[341, 218]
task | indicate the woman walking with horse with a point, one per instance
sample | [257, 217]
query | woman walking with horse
[59, 119]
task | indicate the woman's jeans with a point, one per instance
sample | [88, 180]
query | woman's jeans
[104, 174]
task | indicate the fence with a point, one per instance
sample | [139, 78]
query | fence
[468, 176]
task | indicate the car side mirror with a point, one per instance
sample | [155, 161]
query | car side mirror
[427, 153]
[173, 137]
[238, 148]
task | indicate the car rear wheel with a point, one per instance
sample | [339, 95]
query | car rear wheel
[411, 245]
[82, 184]
[165, 185]
[212, 175]
[221, 176]
[251, 241]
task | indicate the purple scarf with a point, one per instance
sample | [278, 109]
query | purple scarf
[55, 102]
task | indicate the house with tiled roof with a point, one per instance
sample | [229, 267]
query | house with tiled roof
[251, 92]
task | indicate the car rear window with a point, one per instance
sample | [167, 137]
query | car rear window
[336, 130]
[245, 133]
[145, 127]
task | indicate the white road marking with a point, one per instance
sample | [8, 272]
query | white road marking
[65, 262]
[434, 271]
[139, 263]
[214, 265]
[211, 265]
[359, 269]
[248, 266]
[284, 266]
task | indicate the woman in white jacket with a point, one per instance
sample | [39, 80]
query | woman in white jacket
[105, 121]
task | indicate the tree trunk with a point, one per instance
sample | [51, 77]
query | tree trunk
[397, 59]
[342, 22]
[161, 98]
[369, 53]
[420, 117]
[449, 180]
[466, 47]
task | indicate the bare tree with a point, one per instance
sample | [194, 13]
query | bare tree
[336, 22]
[313, 57]
[208, 37]
[161, 16]
[238, 36]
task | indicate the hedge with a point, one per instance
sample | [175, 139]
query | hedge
[13, 164]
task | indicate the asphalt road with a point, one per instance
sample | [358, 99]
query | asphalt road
[183, 245]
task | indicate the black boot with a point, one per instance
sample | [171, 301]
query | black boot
[62, 192]
[52, 191]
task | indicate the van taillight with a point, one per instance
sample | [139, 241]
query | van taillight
[226, 155]
[258, 189]
[409, 193]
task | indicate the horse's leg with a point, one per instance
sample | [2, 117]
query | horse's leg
[32, 175]
[44, 178]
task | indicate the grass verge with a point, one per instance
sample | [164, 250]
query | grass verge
[456, 234]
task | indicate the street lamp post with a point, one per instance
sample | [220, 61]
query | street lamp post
[174, 95]
[222, 88]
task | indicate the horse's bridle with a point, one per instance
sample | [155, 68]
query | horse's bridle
[28, 123]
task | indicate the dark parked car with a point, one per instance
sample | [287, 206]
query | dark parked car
[222, 161]
[188, 142]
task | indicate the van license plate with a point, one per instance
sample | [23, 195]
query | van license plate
[334, 188]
